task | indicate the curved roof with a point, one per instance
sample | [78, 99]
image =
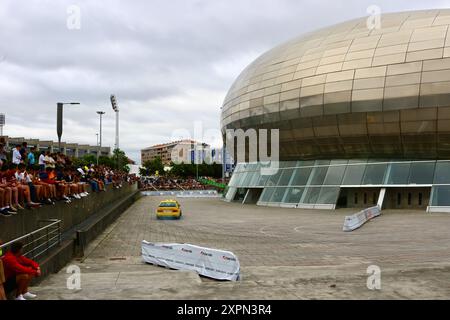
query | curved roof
[348, 68]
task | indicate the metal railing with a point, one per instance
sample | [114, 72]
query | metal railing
[40, 241]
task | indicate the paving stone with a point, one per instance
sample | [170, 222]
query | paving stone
[284, 254]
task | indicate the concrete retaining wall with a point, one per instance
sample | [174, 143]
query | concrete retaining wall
[77, 238]
[71, 214]
[81, 221]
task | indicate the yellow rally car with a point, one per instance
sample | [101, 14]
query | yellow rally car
[169, 209]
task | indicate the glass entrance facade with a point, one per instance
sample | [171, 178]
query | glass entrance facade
[318, 184]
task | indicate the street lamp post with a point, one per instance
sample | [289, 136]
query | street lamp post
[100, 113]
[59, 120]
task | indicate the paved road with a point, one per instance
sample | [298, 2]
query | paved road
[284, 254]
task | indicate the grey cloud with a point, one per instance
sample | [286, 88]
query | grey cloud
[170, 63]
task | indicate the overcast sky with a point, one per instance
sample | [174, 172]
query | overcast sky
[170, 63]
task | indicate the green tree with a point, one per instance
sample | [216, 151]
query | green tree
[184, 170]
[120, 160]
[150, 167]
[117, 160]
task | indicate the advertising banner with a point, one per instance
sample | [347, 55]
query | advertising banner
[355, 221]
[184, 194]
[212, 263]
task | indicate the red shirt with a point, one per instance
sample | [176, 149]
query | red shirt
[14, 266]
[10, 175]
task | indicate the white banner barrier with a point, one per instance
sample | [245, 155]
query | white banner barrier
[184, 194]
[212, 263]
[199, 194]
[355, 221]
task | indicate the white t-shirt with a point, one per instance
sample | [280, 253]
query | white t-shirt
[41, 159]
[16, 157]
[29, 178]
[20, 176]
[50, 162]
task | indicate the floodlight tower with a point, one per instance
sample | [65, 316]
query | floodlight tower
[115, 107]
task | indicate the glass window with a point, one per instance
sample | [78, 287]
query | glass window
[399, 173]
[288, 164]
[293, 195]
[311, 195]
[442, 173]
[305, 163]
[339, 162]
[301, 176]
[257, 166]
[278, 194]
[248, 178]
[422, 173]
[334, 175]
[285, 177]
[167, 205]
[318, 176]
[273, 179]
[374, 174]
[230, 194]
[263, 179]
[354, 174]
[355, 161]
[322, 162]
[255, 179]
[266, 194]
[241, 178]
[441, 196]
[234, 179]
[328, 195]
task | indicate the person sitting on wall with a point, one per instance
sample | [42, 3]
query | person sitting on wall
[29, 190]
[19, 271]
[61, 187]
[9, 182]
[87, 177]
[76, 190]
[50, 184]
[78, 178]
[49, 161]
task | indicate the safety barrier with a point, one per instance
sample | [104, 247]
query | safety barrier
[183, 194]
[212, 263]
[355, 221]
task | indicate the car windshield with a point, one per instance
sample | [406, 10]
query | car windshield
[168, 204]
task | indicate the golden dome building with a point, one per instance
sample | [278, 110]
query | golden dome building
[363, 114]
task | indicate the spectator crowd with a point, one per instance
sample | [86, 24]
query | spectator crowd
[161, 183]
[165, 183]
[31, 179]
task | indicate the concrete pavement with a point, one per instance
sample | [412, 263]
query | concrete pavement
[284, 254]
